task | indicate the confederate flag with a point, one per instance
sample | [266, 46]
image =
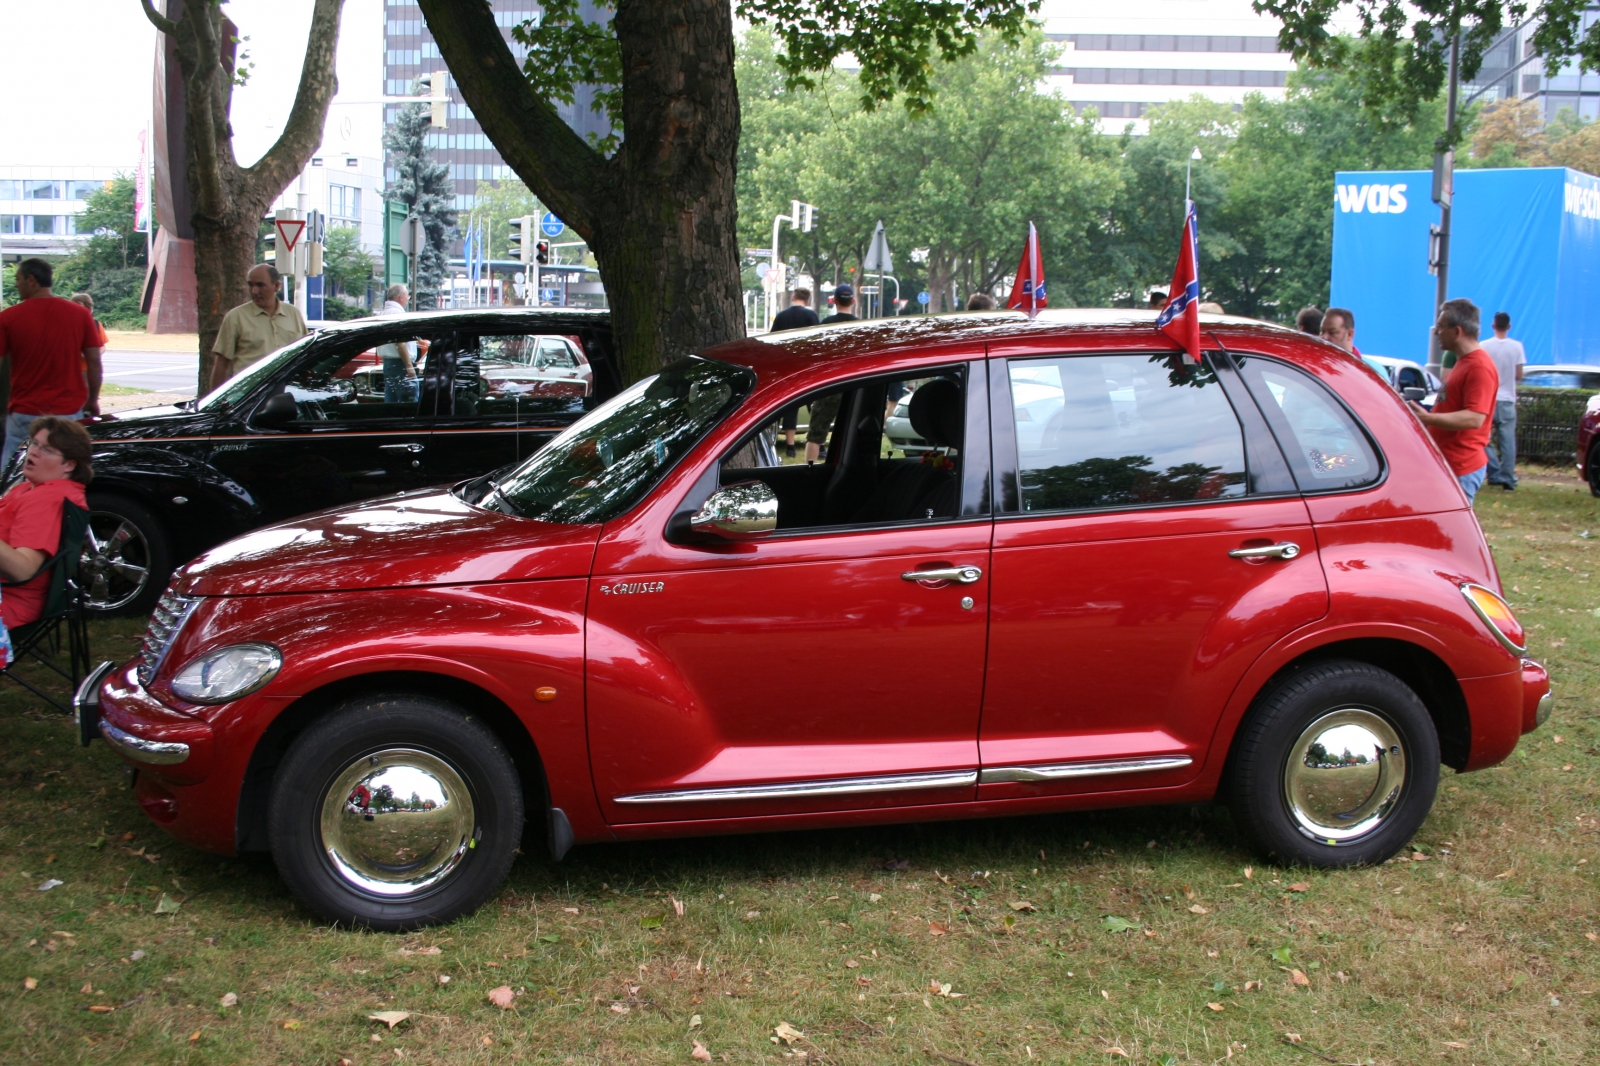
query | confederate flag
[1180, 319]
[1027, 293]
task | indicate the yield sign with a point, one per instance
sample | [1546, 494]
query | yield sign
[289, 231]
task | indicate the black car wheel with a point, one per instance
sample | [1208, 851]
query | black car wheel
[1594, 471]
[1336, 766]
[126, 558]
[395, 812]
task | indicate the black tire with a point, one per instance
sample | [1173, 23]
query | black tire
[1594, 471]
[1344, 808]
[324, 833]
[127, 557]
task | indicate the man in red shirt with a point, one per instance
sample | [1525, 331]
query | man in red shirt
[1463, 416]
[53, 349]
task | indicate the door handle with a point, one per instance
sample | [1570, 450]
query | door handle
[411, 448]
[960, 575]
[1285, 550]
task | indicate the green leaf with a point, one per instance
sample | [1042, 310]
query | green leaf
[1113, 924]
[652, 921]
[1219, 986]
[551, 938]
[1282, 955]
[168, 905]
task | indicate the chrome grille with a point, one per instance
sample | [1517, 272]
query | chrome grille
[172, 610]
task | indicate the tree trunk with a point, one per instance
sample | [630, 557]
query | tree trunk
[660, 215]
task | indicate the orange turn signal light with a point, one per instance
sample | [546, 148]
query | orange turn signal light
[1496, 614]
[544, 693]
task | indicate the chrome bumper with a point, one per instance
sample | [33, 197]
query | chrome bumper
[86, 703]
[1541, 713]
[86, 711]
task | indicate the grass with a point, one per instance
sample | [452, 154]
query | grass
[112, 389]
[1479, 951]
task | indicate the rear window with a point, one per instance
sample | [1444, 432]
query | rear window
[1326, 447]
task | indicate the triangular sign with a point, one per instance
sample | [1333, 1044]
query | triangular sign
[289, 231]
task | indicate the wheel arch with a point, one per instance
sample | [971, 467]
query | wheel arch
[250, 832]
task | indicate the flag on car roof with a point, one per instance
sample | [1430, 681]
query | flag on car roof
[1027, 292]
[1180, 319]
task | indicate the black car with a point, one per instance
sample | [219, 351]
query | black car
[315, 425]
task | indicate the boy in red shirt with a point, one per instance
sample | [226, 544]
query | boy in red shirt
[1463, 416]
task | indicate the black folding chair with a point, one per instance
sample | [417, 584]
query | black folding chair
[63, 620]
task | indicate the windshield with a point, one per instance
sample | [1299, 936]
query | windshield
[608, 460]
[241, 385]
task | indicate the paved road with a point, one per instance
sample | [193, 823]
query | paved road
[156, 371]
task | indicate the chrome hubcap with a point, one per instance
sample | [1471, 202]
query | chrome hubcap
[115, 565]
[397, 822]
[1344, 775]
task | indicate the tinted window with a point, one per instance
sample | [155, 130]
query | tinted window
[1117, 430]
[377, 382]
[1325, 446]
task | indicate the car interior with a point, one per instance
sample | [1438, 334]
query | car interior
[855, 482]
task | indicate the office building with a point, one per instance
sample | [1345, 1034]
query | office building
[39, 208]
[1512, 70]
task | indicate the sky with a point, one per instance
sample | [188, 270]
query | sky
[95, 61]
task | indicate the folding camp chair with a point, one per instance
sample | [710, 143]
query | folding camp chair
[63, 613]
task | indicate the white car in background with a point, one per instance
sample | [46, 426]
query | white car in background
[1403, 374]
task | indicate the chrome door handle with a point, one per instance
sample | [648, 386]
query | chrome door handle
[960, 575]
[411, 448]
[1286, 550]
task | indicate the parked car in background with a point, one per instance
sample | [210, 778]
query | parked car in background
[1561, 376]
[1121, 579]
[1589, 445]
[309, 427]
[1402, 374]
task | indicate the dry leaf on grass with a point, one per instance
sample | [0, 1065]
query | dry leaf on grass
[86, 990]
[1458, 1045]
[874, 897]
[168, 905]
[1251, 986]
[1300, 886]
[788, 1033]
[700, 1054]
[391, 1018]
[230, 999]
[194, 1038]
[620, 1008]
[444, 979]
[1197, 909]
[1294, 1038]
[1023, 905]
[1117, 1051]
[1215, 1006]
[430, 950]
[502, 997]
[1249, 872]
[101, 1008]
[1299, 978]
[677, 906]
[937, 929]
[291, 1025]
[31, 983]
[694, 1021]
[570, 910]
[851, 964]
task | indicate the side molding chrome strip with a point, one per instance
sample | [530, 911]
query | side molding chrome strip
[842, 786]
[995, 775]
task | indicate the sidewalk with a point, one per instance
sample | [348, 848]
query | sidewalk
[119, 340]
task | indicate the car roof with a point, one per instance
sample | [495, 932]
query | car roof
[539, 319]
[1561, 368]
[777, 355]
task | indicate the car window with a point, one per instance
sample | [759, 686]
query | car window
[239, 387]
[382, 381]
[1411, 378]
[555, 355]
[498, 377]
[1325, 445]
[866, 452]
[1121, 430]
[606, 461]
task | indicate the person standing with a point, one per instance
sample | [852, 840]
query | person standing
[52, 348]
[85, 301]
[1309, 320]
[1509, 359]
[1338, 327]
[399, 357]
[1462, 415]
[980, 301]
[797, 315]
[844, 299]
[826, 409]
[257, 329]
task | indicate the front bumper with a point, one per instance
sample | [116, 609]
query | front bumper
[1537, 701]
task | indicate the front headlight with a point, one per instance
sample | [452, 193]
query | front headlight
[227, 673]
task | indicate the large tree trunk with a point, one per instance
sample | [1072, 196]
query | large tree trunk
[660, 214]
[227, 200]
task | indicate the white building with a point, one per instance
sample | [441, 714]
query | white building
[345, 177]
[1133, 55]
[39, 207]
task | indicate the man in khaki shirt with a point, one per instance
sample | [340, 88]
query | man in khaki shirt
[254, 330]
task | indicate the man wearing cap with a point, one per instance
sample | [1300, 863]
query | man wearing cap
[826, 409]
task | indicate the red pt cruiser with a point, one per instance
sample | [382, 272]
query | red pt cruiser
[1115, 579]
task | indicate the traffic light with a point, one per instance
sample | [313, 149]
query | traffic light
[542, 255]
[521, 230]
[269, 243]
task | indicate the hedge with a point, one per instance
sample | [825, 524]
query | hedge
[1547, 422]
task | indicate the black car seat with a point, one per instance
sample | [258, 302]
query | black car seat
[926, 489]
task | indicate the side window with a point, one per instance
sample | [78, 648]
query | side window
[838, 457]
[500, 376]
[378, 382]
[1120, 430]
[1326, 447]
[555, 355]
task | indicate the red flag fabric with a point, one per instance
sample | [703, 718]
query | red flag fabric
[1180, 319]
[1027, 292]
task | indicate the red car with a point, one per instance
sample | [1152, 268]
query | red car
[1117, 579]
[1589, 445]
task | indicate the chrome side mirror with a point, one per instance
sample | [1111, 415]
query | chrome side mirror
[744, 511]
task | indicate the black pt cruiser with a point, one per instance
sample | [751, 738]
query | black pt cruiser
[317, 425]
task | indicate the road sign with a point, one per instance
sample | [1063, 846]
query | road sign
[762, 270]
[547, 294]
[551, 225]
[289, 232]
[519, 277]
[924, 299]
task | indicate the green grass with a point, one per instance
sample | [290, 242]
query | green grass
[110, 389]
[1478, 954]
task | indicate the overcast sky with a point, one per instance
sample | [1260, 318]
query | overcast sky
[80, 75]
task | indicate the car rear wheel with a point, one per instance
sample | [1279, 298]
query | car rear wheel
[1594, 471]
[126, 557]
[395, 812]
[1336, 766]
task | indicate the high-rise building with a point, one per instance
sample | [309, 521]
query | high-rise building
[409, 52]
[1511, 70]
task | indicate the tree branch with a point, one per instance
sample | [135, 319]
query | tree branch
[158, 20]
[546, 154]
[302, 133]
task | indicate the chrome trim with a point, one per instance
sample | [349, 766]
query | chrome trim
[397, 823]
[153, 752]
[997, 775]
[166, 621]
[86, 703]
[1541, 713]
[1344, 776]
[961, 575]
[842, 786]
[744, 510]
[1505, 641]
[1287, 549]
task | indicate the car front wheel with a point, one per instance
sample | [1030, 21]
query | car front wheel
[126, 557]
[395, 812]
[1336, 766]
[1594, 472]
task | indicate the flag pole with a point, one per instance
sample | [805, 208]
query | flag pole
[1188, 173]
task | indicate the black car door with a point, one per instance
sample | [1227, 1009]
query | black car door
[354, 429]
